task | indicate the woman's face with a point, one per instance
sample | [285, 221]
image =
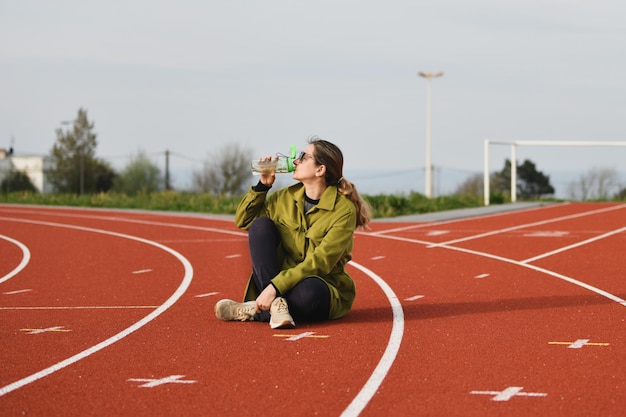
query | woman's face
[306, 167]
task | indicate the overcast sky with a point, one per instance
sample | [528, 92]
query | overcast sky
[192, 76]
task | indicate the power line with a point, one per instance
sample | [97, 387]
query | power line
[186, 158]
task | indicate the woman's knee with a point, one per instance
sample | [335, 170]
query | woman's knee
[262, 226]
[260, 223]
[310, 300]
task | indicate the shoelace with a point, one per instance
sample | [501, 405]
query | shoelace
[244, 311]
[281, 306]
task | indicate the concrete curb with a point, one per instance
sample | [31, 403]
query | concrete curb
[463, 213]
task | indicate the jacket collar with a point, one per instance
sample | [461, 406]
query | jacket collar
[327, 202]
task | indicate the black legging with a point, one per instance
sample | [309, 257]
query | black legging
[309, 300]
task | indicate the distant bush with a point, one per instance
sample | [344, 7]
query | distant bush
[415, 203]
[17, 181]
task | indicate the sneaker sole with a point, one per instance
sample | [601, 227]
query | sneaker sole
[216, 309]
[283, 325]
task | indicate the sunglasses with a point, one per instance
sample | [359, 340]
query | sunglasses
[303, 155]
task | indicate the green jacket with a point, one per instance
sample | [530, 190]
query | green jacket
[318, 243]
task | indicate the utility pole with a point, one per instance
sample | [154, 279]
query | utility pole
[167, 169]
[428, 188]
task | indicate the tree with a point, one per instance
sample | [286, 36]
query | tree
[17, 181]
[531, 183]
[225, 172]
[74, 158]
[472, 186]
[596, 184]
[534, 183]
[105, 176]
[141, 175]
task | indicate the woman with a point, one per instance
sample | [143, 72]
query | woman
[300, 240]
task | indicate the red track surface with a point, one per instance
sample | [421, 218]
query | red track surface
[110, 313]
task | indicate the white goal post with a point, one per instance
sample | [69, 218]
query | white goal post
[514, 146]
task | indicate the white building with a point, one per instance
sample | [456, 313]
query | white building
[35, 167]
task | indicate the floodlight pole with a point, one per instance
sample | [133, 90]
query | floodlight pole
[513, 173]
[428, 187]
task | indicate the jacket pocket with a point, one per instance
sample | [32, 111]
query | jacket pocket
[292, 238]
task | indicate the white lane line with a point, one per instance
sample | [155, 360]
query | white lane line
[208, 294]
[22, 264]
[186, 281]
[518, 263]
[17, 291]
[380, 372]
[457, 220]
[523, 226]
[575, 245]
[141, 271]
[138, 221]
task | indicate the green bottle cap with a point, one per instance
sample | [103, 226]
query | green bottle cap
[290, 165]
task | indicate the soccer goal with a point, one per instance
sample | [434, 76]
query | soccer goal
[514, 146]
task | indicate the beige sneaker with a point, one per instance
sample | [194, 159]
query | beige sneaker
[229, 310]
[279, 315]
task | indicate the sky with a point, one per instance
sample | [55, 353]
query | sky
[195, 76]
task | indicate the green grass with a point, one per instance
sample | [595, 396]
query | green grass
[382, 205]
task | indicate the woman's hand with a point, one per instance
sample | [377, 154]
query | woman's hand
[268, 177]
[264, 300]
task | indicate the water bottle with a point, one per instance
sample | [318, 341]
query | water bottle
[279, 164]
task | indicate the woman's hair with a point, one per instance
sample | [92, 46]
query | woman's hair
[330, 155]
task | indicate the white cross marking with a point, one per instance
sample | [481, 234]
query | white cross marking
[578, 344]
[375, 258]
[482, 276]
[509, 393]
[300, 336]
[49, 329]
[292, 337]
[172, 379]
[415, 297]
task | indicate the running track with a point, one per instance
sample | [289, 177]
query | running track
[110, 313]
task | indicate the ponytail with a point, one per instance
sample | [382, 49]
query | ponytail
[363, 210]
